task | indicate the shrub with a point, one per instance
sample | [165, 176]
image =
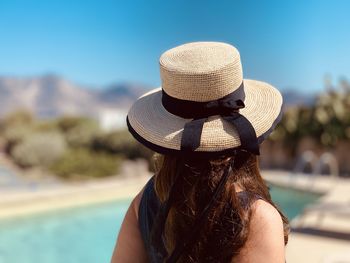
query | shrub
[14, 135]
[22, 117]
[84, 163]
[67, 123]
[79, 131]
[82, 135]
[121, 142]
[47, 125]
[39, 149]
[14, 127]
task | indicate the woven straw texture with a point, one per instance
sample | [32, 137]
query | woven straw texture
[203, 71]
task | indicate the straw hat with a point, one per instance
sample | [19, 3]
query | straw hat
[204, 105]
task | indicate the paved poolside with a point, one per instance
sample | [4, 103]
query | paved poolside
[314, 249]
[20, 203]
[318, 236]
[26, 199]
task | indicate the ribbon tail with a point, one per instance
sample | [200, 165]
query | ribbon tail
[191, 136]
[246, 132]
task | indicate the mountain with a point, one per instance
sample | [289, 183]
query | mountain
[51, 96]
[125, 94]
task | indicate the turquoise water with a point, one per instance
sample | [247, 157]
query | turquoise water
[88, 234]
[85, 234]
[290, 201]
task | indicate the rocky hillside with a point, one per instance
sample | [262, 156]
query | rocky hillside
[51, 96]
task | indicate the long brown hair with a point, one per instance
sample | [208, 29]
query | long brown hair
[226, 228]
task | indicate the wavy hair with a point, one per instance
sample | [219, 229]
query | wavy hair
[226, 227]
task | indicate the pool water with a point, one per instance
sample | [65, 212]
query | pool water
[85, 234]
[88, 234]
[291, 201]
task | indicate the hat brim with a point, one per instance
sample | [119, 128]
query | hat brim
[150, 123]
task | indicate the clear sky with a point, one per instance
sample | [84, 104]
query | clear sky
[290, 44]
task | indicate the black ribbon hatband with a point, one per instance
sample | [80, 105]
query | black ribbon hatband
[227, 107]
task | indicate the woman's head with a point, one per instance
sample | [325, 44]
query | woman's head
[193, 182]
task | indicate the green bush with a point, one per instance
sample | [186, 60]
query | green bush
[82, 135]
[67, 123]
[121, 142]
[39, 149]
[46, 126]
[20, 117]
[327, 121]
[15, 134]
[79, 131]
[14, 127]
[79, 163]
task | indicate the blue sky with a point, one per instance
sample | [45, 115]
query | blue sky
[290, 44]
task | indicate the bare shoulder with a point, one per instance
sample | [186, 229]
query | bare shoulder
[266, 236]
[264, 214]
[129, 242]
[266, 224]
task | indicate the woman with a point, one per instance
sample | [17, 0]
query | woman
[207, 201]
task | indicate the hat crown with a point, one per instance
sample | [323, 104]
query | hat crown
[201, 71]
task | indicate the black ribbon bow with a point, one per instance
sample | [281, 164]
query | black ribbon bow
[227, 107]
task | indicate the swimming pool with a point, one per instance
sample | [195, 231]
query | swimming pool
[87, 234]
[291, 201]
